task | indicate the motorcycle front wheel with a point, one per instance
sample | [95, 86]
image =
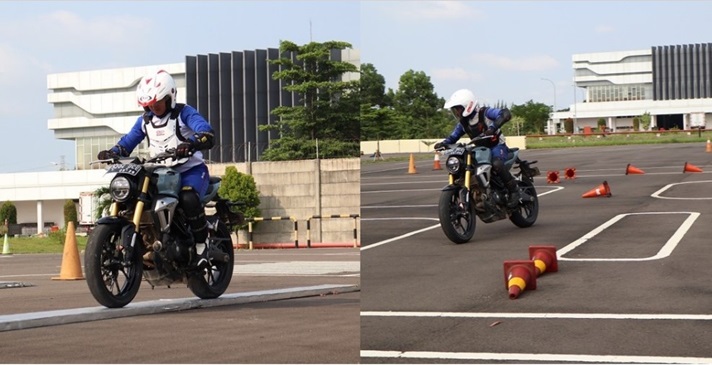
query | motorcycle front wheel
[527, 212]
[457, 218]
[211, 282]
[113, 278]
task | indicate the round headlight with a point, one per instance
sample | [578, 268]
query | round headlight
[453, 164]
[120, 188]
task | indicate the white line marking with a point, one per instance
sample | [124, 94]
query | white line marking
[548, 358]
[401, 236]
[657, 193]
[665, 251]
[637, 316]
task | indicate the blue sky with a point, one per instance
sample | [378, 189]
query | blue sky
[38, 38]
[499, 49]
[502, 49]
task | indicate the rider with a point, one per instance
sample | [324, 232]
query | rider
[474, 121]
[167, 124]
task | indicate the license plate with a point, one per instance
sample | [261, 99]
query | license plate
[129, 169]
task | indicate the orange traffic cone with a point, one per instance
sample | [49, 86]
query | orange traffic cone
[570, 173]
[632, 170]
[519, 275]
[691, 168]
[544, 258]
[71, 266]
[436, 162]
[552, 177]
[709, 146]
[411, 165]
[600, 190]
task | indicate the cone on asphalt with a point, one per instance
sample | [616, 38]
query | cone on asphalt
[600, 190]
[436, 162]
[570, 173]
[519, 275]
[552, 177]
[709, 146]
[691, 168]
[6, 247]
[411, 165]
[632, 170]
[544, 258]
[71, 266]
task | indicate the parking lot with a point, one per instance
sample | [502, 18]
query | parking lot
[632, 281]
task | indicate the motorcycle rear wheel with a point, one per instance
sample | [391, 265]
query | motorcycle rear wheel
[527, 213]
[211, 282]
[112, 283]
[457, 223]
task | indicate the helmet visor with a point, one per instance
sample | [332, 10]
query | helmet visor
[457, 111]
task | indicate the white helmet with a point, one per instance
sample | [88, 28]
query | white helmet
[464, 98]
[155, 87]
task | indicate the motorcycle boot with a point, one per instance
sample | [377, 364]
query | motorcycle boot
[195, 214]
[515, 194]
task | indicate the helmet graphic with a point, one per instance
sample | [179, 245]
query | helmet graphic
[155, 87]
[465, 99]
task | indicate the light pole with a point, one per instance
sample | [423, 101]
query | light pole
[554, 106]
[554, 85]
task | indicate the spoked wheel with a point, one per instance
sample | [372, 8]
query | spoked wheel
[211, 282]
[457, 218]
[525, 215]
[113, 278]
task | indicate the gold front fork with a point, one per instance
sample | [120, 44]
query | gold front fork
[468, 172]
[139, 204]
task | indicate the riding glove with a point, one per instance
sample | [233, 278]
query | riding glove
[185, 149]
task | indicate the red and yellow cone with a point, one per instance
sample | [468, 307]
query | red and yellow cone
[518, 276]
[544, 258]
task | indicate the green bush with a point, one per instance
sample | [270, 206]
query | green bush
[70, 213]
[236, 186]
[8, 211]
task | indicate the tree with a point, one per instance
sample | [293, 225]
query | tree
[329, 110]
[417, 107]
[569, 125]
[377, 115]
[236, 186]
[8, 211]
[70, 213]
[534, 114]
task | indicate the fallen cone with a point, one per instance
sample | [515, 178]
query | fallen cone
[691, 168]
[600, 190]
[544, 258]
[519, 275]
[632, 170]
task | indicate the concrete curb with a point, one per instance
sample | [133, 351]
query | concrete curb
[66, 316]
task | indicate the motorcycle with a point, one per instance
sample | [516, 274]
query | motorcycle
[474, 191]
[146, 235]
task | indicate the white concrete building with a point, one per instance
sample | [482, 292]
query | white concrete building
[233, 90]
[671, 83]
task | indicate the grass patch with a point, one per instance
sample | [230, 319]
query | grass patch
[580, 140]
[50, 244]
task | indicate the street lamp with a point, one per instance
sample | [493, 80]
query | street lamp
[554, 106]
[554, 85]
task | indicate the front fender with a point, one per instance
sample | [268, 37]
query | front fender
[450, 187]
[112, 221]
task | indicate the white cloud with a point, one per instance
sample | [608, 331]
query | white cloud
[527, 63]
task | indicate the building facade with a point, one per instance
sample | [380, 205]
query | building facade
[671, 83]
[233, 90]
